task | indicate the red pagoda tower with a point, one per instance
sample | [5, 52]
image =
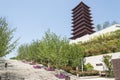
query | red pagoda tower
[82, 23]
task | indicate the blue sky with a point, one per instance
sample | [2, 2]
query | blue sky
[33, 17]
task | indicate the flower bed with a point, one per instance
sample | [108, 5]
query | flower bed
[37, 67]
[60, 76]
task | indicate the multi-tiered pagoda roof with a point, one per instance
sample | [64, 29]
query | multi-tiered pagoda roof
[82, 23]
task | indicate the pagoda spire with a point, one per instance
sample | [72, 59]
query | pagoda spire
[81, 21]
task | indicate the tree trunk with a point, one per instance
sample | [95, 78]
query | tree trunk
[77, 71]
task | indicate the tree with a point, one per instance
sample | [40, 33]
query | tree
[106, 24]
[51, 48]
[99, 27]
[114, 22]
[6, 36]
[29, 51]
[107, 61]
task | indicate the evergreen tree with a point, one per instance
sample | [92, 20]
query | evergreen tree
[106, 24]
[6, 36]
[99, 27]
[114, 22]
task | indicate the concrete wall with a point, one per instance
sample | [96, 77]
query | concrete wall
[97, 63]
[101, 32]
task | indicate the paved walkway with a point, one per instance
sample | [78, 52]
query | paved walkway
[26, 71]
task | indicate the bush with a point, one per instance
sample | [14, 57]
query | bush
[67, 68]
[13, 58]
[89, 73]
[88, 67]
[85, 73]
[73, 72]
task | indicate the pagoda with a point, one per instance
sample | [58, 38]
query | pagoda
[81, 20]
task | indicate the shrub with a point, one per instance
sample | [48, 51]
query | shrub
[88, 67]
[89, 73]
[67, 68]
[73, 72]
[85, 73]
[13, 58]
